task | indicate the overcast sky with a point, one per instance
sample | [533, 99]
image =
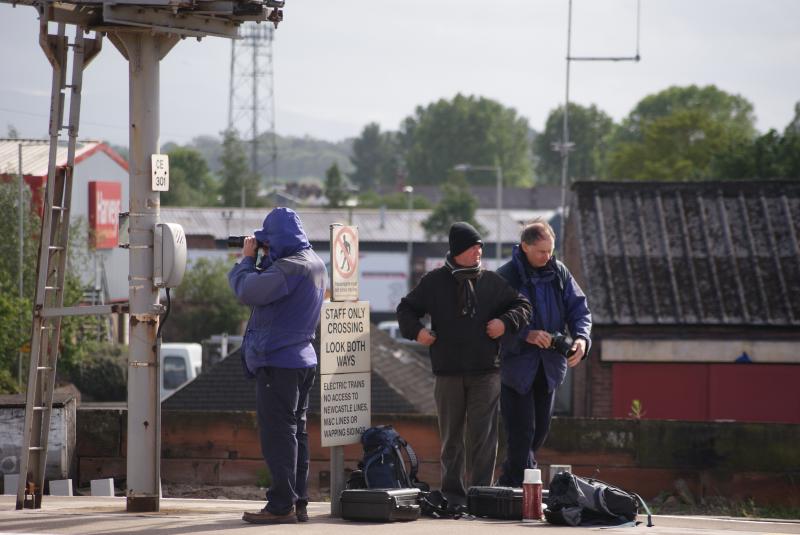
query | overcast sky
[340, 64]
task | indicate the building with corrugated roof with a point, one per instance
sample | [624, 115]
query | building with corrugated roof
[384, 236]
[695, 295]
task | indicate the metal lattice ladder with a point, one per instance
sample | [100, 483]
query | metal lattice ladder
[48, 309]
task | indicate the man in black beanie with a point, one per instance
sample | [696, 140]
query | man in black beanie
[470, 309]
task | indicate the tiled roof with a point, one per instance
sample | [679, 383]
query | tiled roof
[707, 253]
[402, 383]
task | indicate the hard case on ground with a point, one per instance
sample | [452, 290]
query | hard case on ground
[495, 502]
[380, 505]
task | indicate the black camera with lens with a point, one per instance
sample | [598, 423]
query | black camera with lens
[238, 241]
[561, 344]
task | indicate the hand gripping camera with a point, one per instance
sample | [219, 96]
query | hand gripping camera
[561, 344]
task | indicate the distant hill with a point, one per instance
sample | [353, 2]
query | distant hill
[298, 158]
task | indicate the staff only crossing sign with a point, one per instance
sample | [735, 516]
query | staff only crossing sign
[344, 263]
[344, 347]
[344, 372]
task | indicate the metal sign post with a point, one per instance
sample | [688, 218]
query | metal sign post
[345, 367]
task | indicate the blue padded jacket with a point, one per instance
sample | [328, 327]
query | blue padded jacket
[520, 360]
[285, 292]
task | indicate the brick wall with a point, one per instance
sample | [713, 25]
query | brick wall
[739, 460]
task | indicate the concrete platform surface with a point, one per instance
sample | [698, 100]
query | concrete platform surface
[93, 515]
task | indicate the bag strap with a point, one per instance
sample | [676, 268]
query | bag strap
[434, 504]
[560, 283]
[369, 462]
[413, 461]
[639, 498]
[407, 477]
[647, 509]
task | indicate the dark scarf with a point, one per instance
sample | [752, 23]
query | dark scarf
[465, 292]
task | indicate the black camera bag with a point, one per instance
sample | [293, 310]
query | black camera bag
[578, 501]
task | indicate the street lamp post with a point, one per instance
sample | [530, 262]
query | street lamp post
[464, 167]
[410, 191]
[20, 274]
[499, 248]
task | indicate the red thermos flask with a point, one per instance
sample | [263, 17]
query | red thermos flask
[532, 495]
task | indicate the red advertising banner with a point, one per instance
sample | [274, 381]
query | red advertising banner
[105, 203]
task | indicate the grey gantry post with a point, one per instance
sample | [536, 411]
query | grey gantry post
[144, 51]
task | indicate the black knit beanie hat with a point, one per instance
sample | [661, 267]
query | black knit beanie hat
[462, 237]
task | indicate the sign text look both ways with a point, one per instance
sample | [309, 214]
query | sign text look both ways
[344, 263]
[344, 338]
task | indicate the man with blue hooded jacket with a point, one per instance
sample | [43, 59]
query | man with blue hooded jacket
[532, 368]
[285, 291]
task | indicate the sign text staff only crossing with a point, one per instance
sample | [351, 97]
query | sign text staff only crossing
[345, 342]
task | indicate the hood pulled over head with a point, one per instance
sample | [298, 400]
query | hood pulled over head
[283, 232]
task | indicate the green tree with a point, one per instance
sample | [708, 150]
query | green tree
[457, 204]
[235, 173]
[790, 150]
[374, 157]
[733, 111]
[771, 155]
[679, 134]
[191, 183]
[335, 187]
[204, 304]
[101, 374]
[15, 311]
[588, 129]
[478, 131]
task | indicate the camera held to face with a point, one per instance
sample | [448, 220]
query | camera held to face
[238, 241]
[561, 344]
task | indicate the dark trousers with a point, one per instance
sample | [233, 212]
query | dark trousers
[282, 400]
[467, 403]
[526, 418]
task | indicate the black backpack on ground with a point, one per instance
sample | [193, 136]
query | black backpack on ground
[578, 501]
[383, 465]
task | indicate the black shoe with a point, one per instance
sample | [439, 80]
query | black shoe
[301, 511]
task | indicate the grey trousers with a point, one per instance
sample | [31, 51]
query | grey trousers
[467, 402]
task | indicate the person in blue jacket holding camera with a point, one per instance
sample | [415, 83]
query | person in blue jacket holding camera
[535, 359]
[285, 291]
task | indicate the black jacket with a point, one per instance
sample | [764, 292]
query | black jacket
[462, 346]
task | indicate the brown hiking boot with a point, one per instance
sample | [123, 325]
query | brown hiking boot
[265, 517]
[301, 511]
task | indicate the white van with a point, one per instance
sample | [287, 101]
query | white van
[180, 363]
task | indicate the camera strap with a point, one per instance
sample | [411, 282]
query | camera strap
[559, 283]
